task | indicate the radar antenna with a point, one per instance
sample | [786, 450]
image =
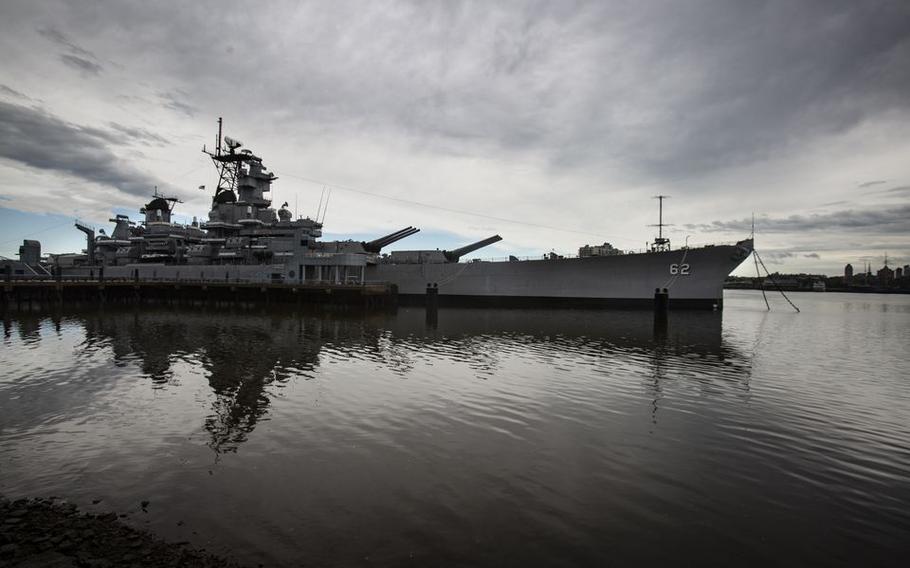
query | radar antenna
[228, 161]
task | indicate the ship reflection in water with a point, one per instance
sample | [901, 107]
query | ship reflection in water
[242, 359]
[495, 437]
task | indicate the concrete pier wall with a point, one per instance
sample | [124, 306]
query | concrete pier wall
[40, 294]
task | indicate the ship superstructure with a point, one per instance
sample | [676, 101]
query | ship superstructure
[244, 238]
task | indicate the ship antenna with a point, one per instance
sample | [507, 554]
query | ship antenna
[218, 140]
[660, 243]
[319, 209]
[326, 208]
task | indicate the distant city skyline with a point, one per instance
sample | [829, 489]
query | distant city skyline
[552, 124]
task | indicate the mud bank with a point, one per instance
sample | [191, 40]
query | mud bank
[51, 533]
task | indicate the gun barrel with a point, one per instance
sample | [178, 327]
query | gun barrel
[376, 245]
[391, 238]
[455, 255]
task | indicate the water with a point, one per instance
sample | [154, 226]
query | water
[497, 438]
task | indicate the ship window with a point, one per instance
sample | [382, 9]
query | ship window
[303, 242]
[290, 273]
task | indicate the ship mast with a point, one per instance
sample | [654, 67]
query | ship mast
[227, 162]
[660, 243]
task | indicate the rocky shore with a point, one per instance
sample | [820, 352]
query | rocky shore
[51, 533]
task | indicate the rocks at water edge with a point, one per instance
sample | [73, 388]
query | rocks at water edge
[47, 532]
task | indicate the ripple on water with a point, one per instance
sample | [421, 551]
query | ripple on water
[497, 437]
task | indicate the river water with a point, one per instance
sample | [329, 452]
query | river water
[493, 438]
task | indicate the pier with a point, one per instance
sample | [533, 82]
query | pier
[28, 294]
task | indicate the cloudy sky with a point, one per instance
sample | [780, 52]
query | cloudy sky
[550, 123]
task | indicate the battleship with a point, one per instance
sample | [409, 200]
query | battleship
[245, 239]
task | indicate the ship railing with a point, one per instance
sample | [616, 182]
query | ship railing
[553, 255]
[518, 258]
[547, 256]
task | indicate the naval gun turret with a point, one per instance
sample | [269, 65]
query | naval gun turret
[362, 248]
[438, 256]
[455, 255]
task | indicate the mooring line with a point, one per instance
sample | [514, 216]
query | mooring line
[776, 285]
[758, 275]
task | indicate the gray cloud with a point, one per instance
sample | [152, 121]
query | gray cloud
[838, 253]
[884, 220]
[138, 135]
[175, 101]
[780, 257]
[41, 140]
[82, 65]
[671, 90]
[900, 190]
[873, 182]
[78, 58]
[767, 87]
[61, 39]
[132, 99]
[674, 90]
[13, 92]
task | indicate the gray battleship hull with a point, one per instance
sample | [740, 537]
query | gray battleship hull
[693, 277]
[245, 240]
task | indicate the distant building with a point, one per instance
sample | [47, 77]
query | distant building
[885, 275]
[848, 274]
[907, 271]
[898, 273]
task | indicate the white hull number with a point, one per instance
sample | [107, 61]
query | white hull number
[681, 269]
